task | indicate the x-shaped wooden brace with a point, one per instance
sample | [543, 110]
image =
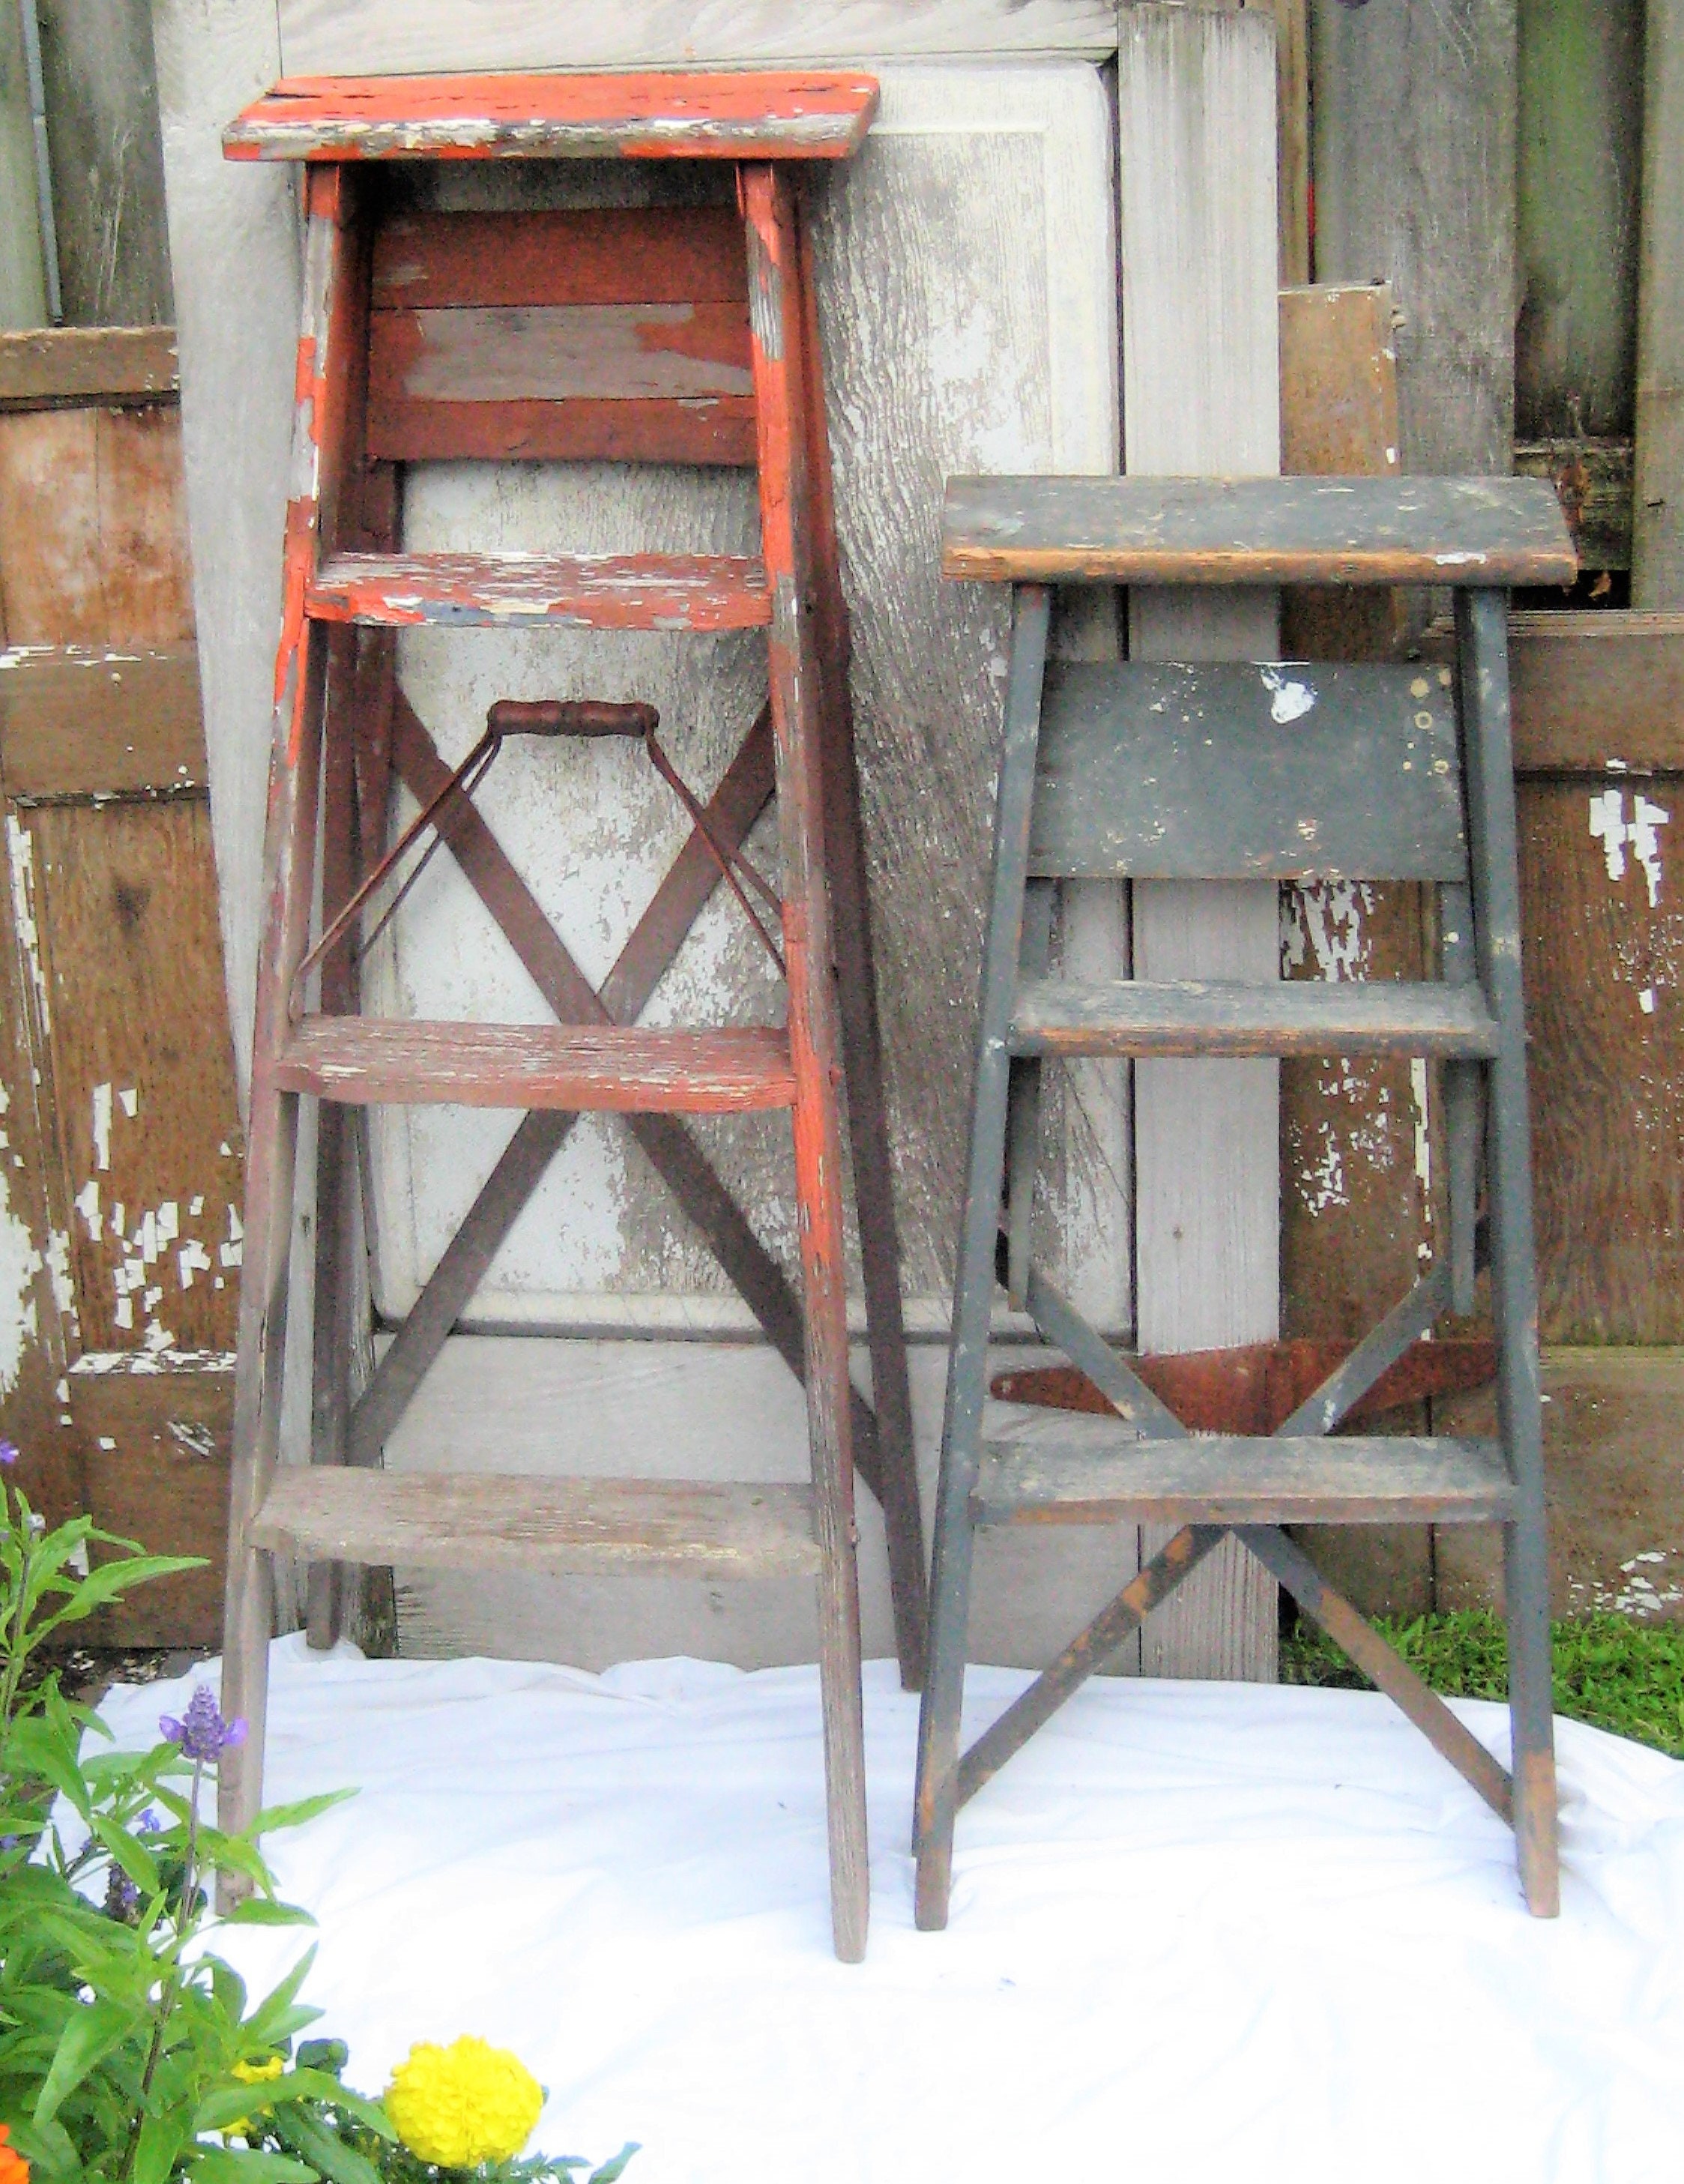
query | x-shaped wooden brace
[1089, 1653]
[742, 795]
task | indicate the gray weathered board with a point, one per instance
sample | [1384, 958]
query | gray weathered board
[970, 246]
[1201, 371]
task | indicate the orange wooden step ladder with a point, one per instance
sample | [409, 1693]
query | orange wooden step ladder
[675, 335]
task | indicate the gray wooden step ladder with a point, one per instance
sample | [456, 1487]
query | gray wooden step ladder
[682, 334]
[1277, 771]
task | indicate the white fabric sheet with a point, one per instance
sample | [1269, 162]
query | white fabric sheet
[1212, 1931]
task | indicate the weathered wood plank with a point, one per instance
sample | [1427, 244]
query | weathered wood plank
[668, 592]
[1658, 490]
[1201, 343]
[49, 368]
[1058, 1468]
[1346, 771]
[431, 261]
[424, 34]
[761, 116]
[1191, 1017]
[1140, 530]
[563, 1527]
[79, 722]
[1598, 693]
[1593, 480]
[1414, 155]
[156, 1435]
[107, 161]
[141, 1070]
[1603, 941]
[367, 1061]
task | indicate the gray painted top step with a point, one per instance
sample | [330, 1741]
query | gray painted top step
[1056, 1466]
[1483, 531]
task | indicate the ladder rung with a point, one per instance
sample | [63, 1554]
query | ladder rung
[564, 1527]
[1048, 1467]
[1061, 1017]
[672, 592]
[372, 1061]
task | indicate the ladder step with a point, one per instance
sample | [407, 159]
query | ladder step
[372, 1061]
[669, 592]
[1062, 1016]
[562, 1527]
[1050, 1466]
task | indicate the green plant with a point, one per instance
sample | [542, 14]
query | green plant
[129, 2052]
[1610, 1671]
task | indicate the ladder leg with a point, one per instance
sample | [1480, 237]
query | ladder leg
[814, 1034]
[861, 1039]
[1022, 1126]
[1482, 630]
[936, 1797]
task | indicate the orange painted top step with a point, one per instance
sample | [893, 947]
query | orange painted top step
[814, 113]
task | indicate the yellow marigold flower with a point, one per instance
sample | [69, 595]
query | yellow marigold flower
[252, 2074]
[463, 2104]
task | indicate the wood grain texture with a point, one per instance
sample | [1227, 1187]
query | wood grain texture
[1598, 693]
[1657, 487]
[1201, 385]
[1603, 943]
[107, 164]
[1247, 772]
[1414, 158]
[368, 1062]
[157, 1443]
[75, 721]
[697, 115]
[1211, 1016]
[141, 1070]
[564, 1527]
[329, 34]
[653, 253]
[1356, 1132]
[95, 548]
[1235, 529]
[63, 366]
[661, 591]
[1054, 1468]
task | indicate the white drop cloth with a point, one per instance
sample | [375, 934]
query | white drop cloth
[1199, 1930]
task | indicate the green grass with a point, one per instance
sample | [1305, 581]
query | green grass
[1610, 1671]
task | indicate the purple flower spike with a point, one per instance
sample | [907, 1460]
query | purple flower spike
[201, 1732]
[148, 1823]
[8, 1451]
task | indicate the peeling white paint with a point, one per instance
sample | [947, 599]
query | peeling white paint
[1418, 1088]
[1292, 699]
[102, 1133]
[1645, 1000]
[196, 1205]
[169, 1221]
[123, 1315]
[1646, 818]
[129, 1099]
[20, 856]
[1640, 834]
[86, 1203]
[193, 1257]
[19, 1265]
[1608, 826]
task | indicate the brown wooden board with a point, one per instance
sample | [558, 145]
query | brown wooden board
[47, 368]
[1256, 531]
[816, 114]
[508, 591]
[155, 1438]
[142, 1070]
[1151, 771]
[1598, 692]
[1603, 952]
[430, 261]
[76, 722]
[1135, 1016]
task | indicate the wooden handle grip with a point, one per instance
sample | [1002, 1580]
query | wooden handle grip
[570, 716]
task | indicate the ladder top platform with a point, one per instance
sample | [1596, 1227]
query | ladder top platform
[1477, 531]
[816, 114]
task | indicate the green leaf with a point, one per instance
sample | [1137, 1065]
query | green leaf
[108, 1581]
[224, 2164]
[322, 2086]
[325, 2148]
[88, 2039]
[259, 2027]
[612, 2169]
[162, 2137]
[127, 1851]
[295, 1815]
[266, 1911]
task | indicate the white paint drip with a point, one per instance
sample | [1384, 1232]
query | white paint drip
[102, 1133]
[1292, 699]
